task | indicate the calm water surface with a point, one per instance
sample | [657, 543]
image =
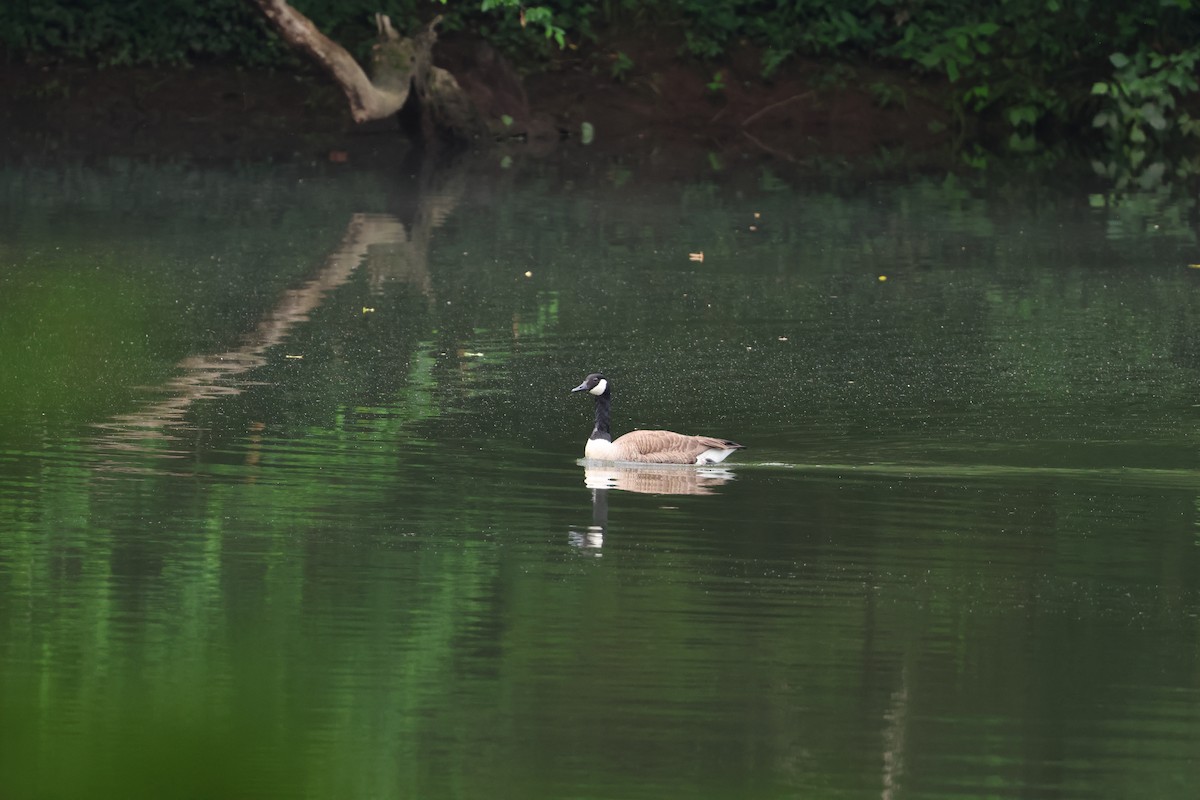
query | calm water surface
[290, 503]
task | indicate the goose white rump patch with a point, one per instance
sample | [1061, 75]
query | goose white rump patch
[713, 455]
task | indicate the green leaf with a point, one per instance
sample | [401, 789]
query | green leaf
[1154, 116]
[1152, 176]
[1018, 115]
[1119, 60]
[952, 69]
[977, 93]
[1021, 143]
[1099, 87]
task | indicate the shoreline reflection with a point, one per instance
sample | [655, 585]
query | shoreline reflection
[389, 247]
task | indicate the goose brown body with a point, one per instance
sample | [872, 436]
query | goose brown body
[646, 446]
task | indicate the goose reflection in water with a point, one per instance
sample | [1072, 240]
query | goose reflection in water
[641, 479]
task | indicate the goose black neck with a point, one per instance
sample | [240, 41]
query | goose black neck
[603, 417]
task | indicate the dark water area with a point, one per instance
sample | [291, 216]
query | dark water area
[291, 499]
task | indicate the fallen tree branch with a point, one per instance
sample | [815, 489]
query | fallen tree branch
[768, 149]
[402, 73]
[367, 100]
[773, 106]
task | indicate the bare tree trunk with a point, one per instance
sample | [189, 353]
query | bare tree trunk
[399, 65]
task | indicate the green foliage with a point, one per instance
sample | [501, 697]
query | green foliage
[953, 50]
[180, 32]
[837, 76]
[801, 27]
[887, 95]
[526, 33]
[538, 16]
[1140, 104]
[114, 33]
[622, 64]
[1025, 65]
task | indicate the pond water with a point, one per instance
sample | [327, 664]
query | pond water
[291, 502]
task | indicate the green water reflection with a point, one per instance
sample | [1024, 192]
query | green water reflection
[290, 505]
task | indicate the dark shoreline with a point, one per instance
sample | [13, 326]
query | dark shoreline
[52, 113]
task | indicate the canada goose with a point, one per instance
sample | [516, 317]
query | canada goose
[656, 447]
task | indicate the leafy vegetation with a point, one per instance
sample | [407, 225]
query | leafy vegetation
[114, 33]
[1141, 111]
[1027, 67]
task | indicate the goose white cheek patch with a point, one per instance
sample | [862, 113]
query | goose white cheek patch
[599, 388]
